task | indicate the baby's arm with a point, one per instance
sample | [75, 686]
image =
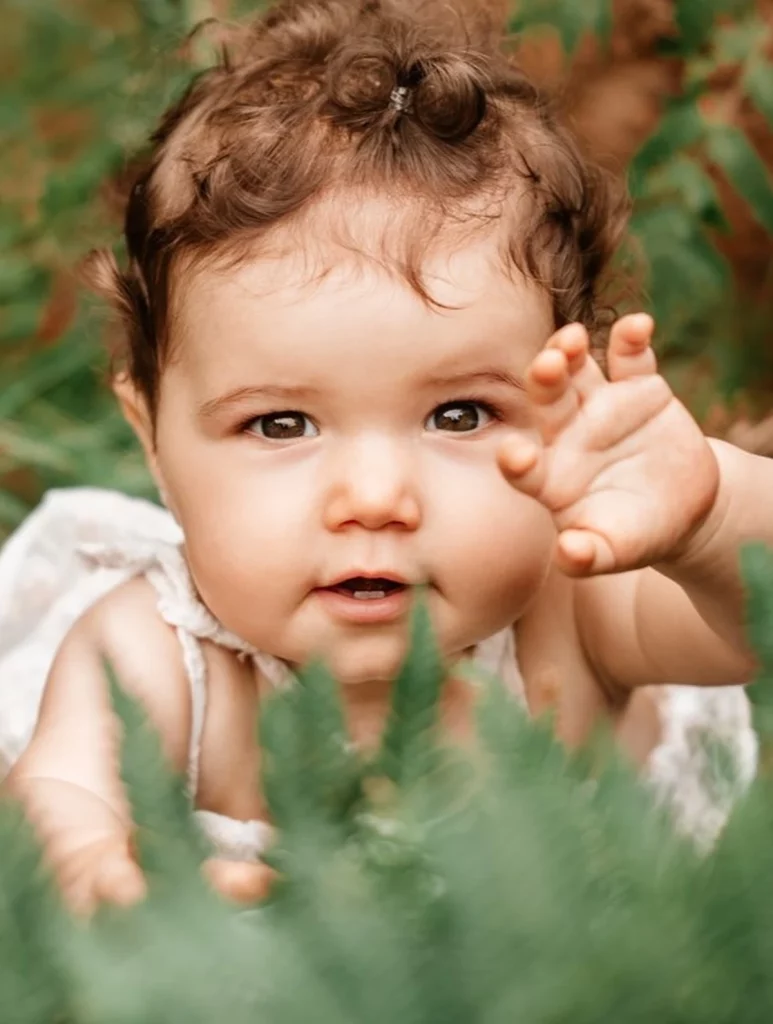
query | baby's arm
[650, 514]
[642, 629]
[686, 621]
[707, 568]
[68, 778]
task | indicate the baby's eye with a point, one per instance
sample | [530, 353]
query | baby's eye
[460, 417]
[283, 426]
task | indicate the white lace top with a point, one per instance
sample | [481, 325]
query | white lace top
[81, 543]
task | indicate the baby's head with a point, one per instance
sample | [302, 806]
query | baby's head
[351, 239]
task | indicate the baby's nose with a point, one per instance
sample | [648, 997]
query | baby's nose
[374, 485]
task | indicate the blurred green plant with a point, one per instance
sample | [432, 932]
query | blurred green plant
[678, 212]
[703, 312]
[83, 82]
[570, 21]
[510, 881]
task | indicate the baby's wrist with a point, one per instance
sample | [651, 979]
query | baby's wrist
[712, 540]
[698, 550]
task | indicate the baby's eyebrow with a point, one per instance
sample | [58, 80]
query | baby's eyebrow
[216, 405]
[213, 406]
[485, 376]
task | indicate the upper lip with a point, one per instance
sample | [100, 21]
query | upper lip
[369, 574]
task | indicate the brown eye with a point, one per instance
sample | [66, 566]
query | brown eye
[459, 417]
[283, 426]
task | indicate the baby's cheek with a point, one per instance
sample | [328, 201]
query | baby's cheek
[507, 561]
[243, 565]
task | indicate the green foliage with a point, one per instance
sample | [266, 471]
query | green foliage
[678, 220]
[405, 755]
[571, 21]
[696, 21]
[675, 173]
[71, 117]
[168, 840]
[33, 931]
[731, 151]
[513, 882]
[757, 565]
[308, 759]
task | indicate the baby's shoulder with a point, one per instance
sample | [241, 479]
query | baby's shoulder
[144, 652]
[127, 622]
[147, 657]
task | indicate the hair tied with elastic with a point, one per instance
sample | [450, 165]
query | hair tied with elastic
[401, 99]
[451, 102]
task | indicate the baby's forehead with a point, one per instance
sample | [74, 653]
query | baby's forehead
[359, 288]
[283, 299]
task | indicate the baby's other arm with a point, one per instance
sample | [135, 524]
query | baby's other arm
[642, 629]
[650, 515]
[684, 619]
[68, 778]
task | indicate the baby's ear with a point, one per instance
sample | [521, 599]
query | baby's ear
[135, 408]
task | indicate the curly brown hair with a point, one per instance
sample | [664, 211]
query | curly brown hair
[320, 100]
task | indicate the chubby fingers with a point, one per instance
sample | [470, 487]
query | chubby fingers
[630, 351]
[561, 378]
[558, 381]
[522, 460]
[578, 553]
[239, 881]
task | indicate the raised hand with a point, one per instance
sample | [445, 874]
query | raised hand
[620, 463]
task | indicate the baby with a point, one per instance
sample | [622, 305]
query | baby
[364, 280]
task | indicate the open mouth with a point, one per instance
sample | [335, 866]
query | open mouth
[363, 588]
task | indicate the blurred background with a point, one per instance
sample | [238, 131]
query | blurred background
[676, 95]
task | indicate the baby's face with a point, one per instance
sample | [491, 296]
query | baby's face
[327, 446]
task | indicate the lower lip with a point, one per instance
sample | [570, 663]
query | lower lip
[366, 610]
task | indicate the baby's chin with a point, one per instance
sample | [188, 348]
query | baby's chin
[368, 661]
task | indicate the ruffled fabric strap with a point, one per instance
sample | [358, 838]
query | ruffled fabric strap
[165, 568]
[179, 605]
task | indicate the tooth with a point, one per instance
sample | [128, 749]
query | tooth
[369, 595]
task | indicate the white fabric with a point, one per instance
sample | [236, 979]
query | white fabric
[707, 757]
[83, 542]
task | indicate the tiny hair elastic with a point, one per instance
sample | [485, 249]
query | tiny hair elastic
[400, 98]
